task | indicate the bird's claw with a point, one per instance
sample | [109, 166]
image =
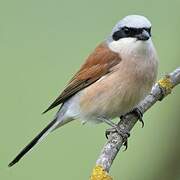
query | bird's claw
[122, 132]
[110, 131]
[139, 114]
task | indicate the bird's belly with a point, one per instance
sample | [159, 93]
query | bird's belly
[111, 96]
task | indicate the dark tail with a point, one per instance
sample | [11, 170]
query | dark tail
[51, 126]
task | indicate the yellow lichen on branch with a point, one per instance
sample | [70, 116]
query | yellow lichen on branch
[166, 84]
[99, 173]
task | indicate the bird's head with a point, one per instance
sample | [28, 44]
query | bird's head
[132, 26]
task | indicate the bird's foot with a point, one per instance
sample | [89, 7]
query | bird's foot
[122, 132]
[138, 113]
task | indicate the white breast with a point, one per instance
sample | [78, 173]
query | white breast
[118, 92]
[140, 55]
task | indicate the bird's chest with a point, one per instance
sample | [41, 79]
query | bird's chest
[125, 85]
[128, 86]
[118, 92]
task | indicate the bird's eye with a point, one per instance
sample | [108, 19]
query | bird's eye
[127, 30]
[148, 30]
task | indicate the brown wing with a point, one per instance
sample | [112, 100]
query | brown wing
[97, 64]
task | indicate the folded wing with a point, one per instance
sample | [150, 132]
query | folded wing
[99, 63]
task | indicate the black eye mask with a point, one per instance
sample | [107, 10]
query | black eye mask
[126, 32]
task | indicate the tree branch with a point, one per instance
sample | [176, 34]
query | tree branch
[160, 90]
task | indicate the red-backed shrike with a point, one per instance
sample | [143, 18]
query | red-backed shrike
[116, 76]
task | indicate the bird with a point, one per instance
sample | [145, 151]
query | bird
[114, 78]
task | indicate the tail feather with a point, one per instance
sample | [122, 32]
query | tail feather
[50, 127]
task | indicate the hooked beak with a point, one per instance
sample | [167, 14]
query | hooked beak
[144, 36]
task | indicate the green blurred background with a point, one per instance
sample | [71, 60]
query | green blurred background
[42, 43]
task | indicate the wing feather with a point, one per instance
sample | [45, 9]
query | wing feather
[99, 63]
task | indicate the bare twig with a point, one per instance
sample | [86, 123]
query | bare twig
[161, 89]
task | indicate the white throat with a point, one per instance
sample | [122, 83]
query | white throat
[126, 47]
